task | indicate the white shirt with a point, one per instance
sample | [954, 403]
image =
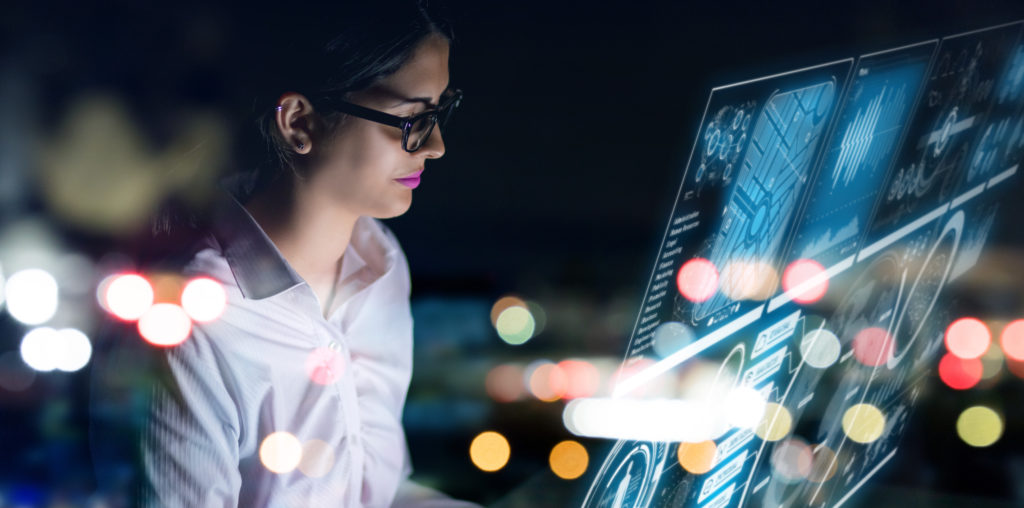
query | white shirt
[272, 363]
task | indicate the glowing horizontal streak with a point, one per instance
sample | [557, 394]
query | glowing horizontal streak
[832, 271]
[635, 381]
[664, 420]
[965, 197]
[1002, 176]
[866, 478]
[893, 237]
[956, 128]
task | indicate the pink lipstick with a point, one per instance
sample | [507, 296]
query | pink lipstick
[412, 181]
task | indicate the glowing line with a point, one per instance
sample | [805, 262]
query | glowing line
[1002, 176]
[866, 477]
[891, 238]
[632, 383]
[956, 128]
[788, 296]
[965, 197]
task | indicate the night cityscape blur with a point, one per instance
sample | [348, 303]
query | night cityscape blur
[530, 242]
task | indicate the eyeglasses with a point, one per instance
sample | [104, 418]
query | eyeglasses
[416, 129]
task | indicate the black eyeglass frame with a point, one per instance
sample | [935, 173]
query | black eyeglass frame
[440, 114]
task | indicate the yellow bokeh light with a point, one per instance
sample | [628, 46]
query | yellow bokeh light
[863, 423]
[569, 460]
[697, 458]
[515, 325]
[979, 426]
[489, 451]
[749, 280]
[280, 452]
[317, 458]
[504, 303]
[775, 424]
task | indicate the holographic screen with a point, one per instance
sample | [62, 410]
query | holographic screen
[796, 301]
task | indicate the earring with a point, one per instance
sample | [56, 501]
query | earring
[301, 146]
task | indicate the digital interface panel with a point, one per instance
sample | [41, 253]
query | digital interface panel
[820, 216]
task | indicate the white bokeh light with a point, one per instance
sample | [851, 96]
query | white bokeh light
[74, 350]
[204, 299]
[31, 296]
[744, 407]
[127, 296]
[165, 324]
[40, 349]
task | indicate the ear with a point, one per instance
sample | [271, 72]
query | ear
[295, 121]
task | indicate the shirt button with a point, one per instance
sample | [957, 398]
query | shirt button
[334, 346]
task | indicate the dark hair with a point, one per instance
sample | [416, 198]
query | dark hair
[333, 51]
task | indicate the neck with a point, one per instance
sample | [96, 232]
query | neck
[311, 231]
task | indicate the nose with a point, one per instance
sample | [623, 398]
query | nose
[433, 148]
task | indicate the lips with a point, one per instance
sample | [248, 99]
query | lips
[412, 181]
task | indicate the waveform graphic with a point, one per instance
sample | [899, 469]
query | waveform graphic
[862, 131]
[829, 240]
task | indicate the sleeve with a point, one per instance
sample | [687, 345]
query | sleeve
[189, 442]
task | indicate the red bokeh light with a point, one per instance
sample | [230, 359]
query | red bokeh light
[504, 383]
[697, 279]
[968, 338]
[958, 373]
[872, 346]
[583, 378]
[548, 382]
[325, 366]
[1012, 340]
[801, 271]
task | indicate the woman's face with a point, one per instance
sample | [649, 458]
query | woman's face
[360, 164]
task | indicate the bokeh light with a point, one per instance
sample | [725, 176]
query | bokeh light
[775, 424]
[820, 348]
[317, 458]
[798, 278]
[744, 407]
[992, 363]
[515, 325]
[968, 338]
[748, 280]
[504, 383]
[547, 381]
[504, 303]
[863, 423]
[165, 324]
[3, 281]
[670, 337]
[568, 460]
[697, 279]
[979, 426]
[1012, 340]
[792, 459]
[204, 299]
[31, 296]
[872, 346]
[697, 458]
[958, 373]
[74, 350]
[824, 465]
[127, 296]
[489, 451]
[280, 452]
[39, 349]
[325, 366]
[582, 378]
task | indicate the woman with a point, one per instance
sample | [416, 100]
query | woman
[293, 397]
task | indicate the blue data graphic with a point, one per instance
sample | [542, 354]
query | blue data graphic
[869, 126]
[933, 162]
[778, 163]
[889, 181]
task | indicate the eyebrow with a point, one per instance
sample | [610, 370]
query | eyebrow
[425, 100]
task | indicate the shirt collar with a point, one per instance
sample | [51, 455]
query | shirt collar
[261, 271]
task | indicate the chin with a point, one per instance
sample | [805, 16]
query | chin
[393, 211]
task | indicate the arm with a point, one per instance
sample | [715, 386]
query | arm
[190, 436]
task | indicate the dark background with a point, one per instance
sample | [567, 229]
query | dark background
[562, 164]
